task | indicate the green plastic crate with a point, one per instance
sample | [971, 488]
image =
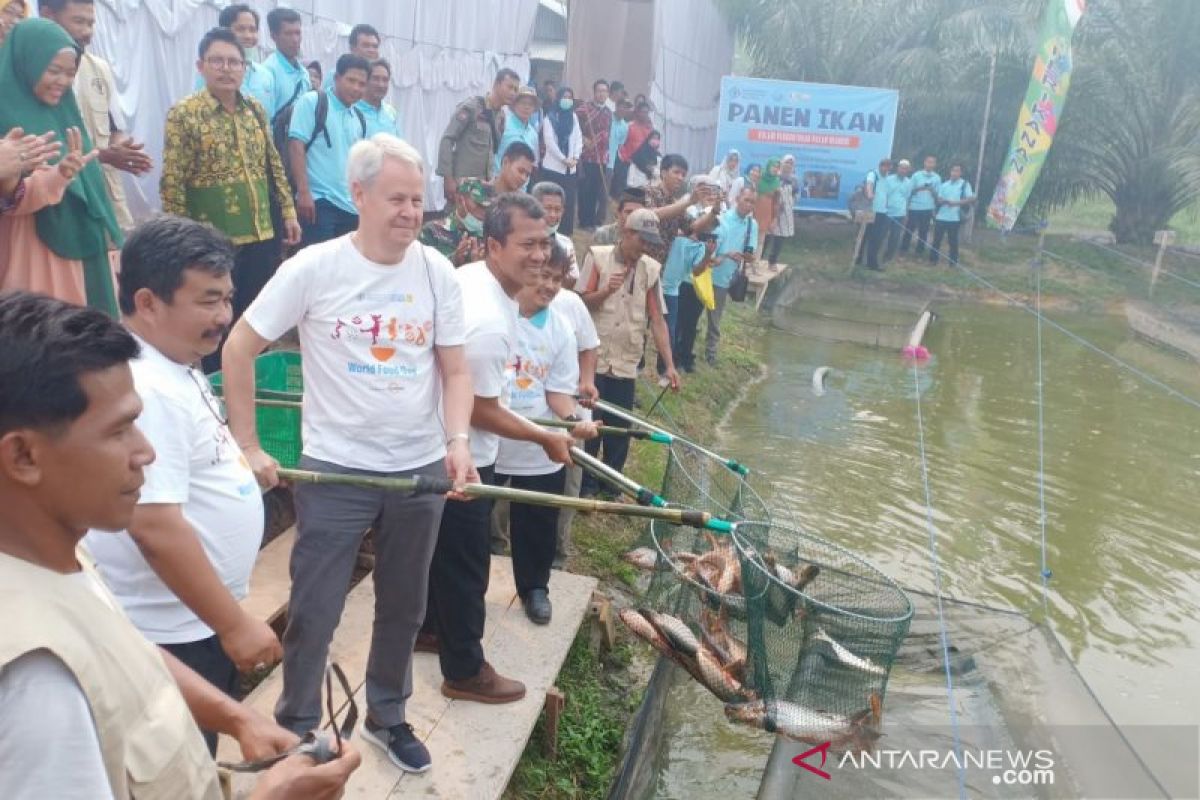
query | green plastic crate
[278, 428]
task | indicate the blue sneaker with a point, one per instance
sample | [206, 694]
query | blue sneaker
[400, 743]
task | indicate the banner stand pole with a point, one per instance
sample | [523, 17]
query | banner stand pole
[987, 115]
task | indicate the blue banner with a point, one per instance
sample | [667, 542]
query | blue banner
[836, 133]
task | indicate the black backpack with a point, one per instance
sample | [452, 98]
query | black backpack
[283, 121]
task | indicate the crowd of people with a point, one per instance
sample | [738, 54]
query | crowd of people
[292, 202]
[906, 204]
[429, 345]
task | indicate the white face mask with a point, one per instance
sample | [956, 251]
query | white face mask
[473, 224]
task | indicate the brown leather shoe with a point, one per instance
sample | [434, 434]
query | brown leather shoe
[427, 643]
[488, 686]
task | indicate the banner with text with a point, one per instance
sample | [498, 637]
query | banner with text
[836, 133]
[1040, 113]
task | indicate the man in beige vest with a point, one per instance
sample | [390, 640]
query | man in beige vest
[93, 710]
[622, 289]
[96, 94]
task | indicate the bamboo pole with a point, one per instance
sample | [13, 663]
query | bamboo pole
[607, 430]
[620, 413]
[426, 485]
[626, 484]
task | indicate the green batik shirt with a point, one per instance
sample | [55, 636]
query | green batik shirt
[445, 236]
[221, 167]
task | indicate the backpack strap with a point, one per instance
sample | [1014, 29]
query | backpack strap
[320, 117]
[362, 120]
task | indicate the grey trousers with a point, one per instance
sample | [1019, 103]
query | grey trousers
[712, 336]
[330, 523]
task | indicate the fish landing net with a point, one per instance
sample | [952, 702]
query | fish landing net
[695, 602]
[823, 629]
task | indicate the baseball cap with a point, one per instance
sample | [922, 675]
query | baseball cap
[477, 190]
[644, 222]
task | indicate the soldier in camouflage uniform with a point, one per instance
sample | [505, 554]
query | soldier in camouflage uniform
[459, 237]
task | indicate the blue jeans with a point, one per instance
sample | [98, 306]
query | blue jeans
[331, 223]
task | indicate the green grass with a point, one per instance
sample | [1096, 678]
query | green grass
[603, 692]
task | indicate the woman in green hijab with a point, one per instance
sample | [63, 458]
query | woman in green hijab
[57, 240]
[767, 205]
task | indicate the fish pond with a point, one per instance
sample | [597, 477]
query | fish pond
[1121, 462]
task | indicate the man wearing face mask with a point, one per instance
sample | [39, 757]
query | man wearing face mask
[459, 237]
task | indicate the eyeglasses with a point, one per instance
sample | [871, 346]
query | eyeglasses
[214, 405]
[231, 64]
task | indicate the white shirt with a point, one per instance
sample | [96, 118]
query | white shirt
[571, 306]
[555, 159]
[491, 336]
[200, 468]
[565, 243]
[367, 332]
[545, 361]
[43, 702]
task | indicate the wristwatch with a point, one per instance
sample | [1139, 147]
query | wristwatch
[572, 418]
[458, 437]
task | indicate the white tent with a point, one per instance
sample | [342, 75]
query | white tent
[674, 51]
[441, 52]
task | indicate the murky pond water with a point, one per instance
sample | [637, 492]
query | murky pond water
[1122, 459]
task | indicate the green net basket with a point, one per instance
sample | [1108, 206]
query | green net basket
[823, 625]
[276, 375]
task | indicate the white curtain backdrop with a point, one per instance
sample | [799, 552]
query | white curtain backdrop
[441, 52]
[693, 49]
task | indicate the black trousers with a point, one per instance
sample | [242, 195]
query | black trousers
[569, 183]
[950, 231]
[619, 392]
[772, 246]
[620, 177]
[253, 265]
[690, 311]
[458, 581]
[209, 661]
[593, 202]
[533, 530]
[876, 234]
[918, 223]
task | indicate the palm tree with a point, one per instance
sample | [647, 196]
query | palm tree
[1131, 129]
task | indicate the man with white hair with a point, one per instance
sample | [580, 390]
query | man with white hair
[381, 330]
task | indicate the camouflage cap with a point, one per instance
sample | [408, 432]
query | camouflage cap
[477, 190]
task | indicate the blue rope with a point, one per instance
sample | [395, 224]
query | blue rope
[1041, 444]
[937, 574]
[1146, 264]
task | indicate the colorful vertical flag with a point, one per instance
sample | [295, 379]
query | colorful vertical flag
[1040, 113]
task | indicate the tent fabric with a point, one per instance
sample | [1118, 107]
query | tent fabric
[440, 53]
[674, 51]
[693, 48]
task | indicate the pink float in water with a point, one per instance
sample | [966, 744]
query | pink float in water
[914, 349]
[918, 353]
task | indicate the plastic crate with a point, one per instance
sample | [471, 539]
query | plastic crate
[278, 428]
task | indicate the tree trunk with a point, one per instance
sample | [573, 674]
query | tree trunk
[1137, 217]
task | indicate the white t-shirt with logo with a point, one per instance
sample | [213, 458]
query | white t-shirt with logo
[491, 337]
[367, 331]
[199, 467]
[546, 360]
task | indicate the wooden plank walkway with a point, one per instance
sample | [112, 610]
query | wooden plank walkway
[760, 276]
[475, 747]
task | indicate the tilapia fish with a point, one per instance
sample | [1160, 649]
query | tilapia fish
[675, 631]
[809, 725]
[642, 557]
[642, 628]
[718, 680]
[846, 657]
